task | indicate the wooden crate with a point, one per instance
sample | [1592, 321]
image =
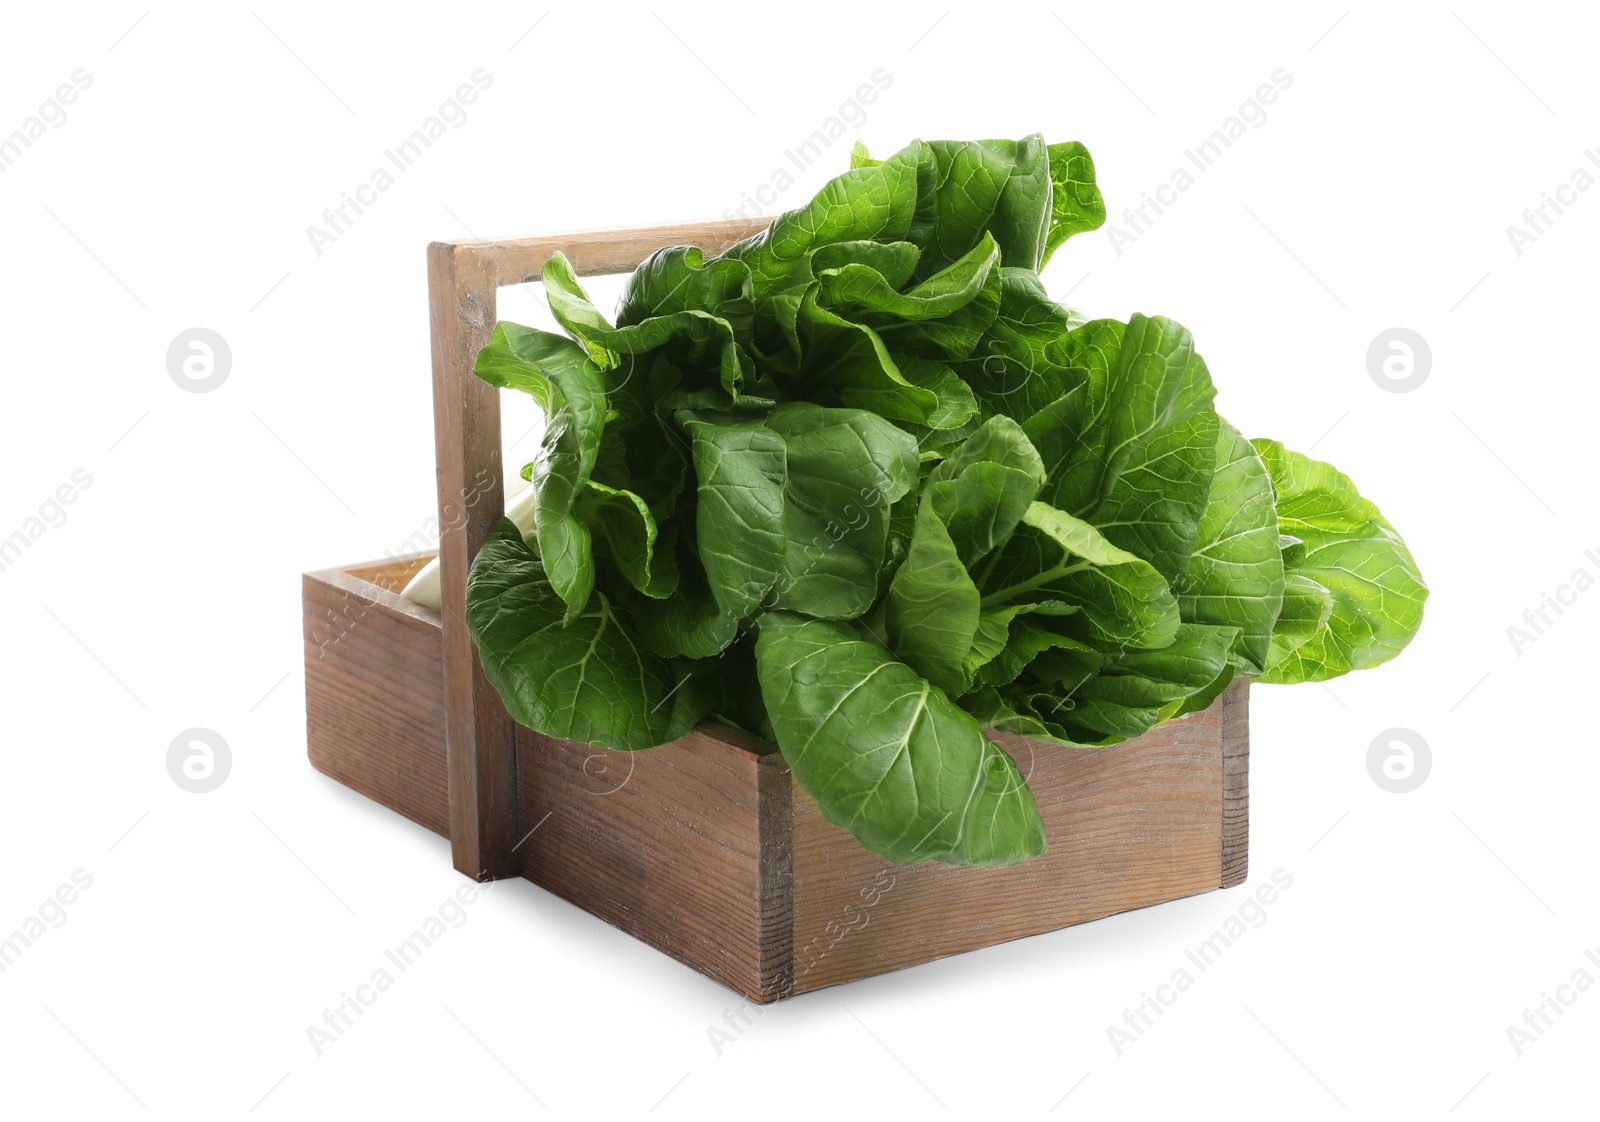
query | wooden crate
[707, 849]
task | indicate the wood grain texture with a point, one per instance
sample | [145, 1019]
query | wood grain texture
[603, 251]
[1126, 827]
[466, 417]
[666, 844]
[1235, 703]
[392, 574]
[374, 689]
[775, 871]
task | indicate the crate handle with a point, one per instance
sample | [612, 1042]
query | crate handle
[463, 280]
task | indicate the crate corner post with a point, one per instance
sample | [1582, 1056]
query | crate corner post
[479, 734]
[1236, 783]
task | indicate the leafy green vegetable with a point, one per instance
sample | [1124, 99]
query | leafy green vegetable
[859, 486]
[933, 608]
[886, 754]
[1349, 549]
[583, 678]
[566, 384]
[993, 188]
[1235, 576]
[742, 472]
[1057, 557]
[623, 521]
[847, 468]
[1075, 202]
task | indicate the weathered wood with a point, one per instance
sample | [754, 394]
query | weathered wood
[1235, 784]
[374, 689]
[775, 871]
[665, 844]
[1125, 827]
[466, 411]
[707, 849]
[603, 251]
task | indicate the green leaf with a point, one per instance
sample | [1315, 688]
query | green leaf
[846, 469]
[587, 680]
[895, 262]
[1136, 380]
[1075, 202]
[853, 360]
[1018, 366]
[970, 188]
[562, 380]
[740, 516]
[567, 386]
[1202, 699]
[1017, 640]
[1062, 692]
[1130, 447]
[642, 449]
[955, 404]
[1027, 716]
[516, 357]
[860, 157]
[575, 312]
[949, 311]
[1307, 607]
[864, 288]
[1124, 601]
[708, 339]
[1134, 689]
[707, 342]
[679, 279]
[1155, 505]
[1349, 548]
[624, 523]
[566, 550]
[982, 490]
[728, 687]
[777, 307]
[873, 203]
[999, 440]
[1235, 577]
[982, 506]
[886, 754]
[957, 335]
[932, 607]
[690, 623]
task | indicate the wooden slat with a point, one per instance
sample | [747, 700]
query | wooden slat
[667, 845]
[604, 251]
[1127, 827]
[393, 573]
[1236, 783]
[775, 872]
[466, 412]
[375, 692]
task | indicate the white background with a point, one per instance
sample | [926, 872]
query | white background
[220, 926]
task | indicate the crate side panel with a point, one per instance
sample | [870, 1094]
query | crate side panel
[1127, 827]
[375, 696]
[664, 844]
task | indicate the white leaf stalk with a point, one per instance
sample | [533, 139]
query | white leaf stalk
[424, 587]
